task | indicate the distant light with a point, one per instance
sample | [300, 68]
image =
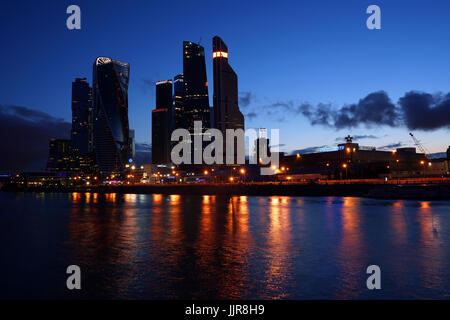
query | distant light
[205, 172]
[130, 160]
[242, 171]
[344, 165]
[231, 178]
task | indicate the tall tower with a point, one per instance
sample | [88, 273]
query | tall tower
[111, 128]
[81, 134]
[226, 109]
[196, 101]
[162, 123]
[178, 101]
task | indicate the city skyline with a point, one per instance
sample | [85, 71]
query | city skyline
[276, 78]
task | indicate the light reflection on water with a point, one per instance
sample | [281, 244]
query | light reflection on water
[177, 246]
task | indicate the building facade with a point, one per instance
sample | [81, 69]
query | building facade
[225, 99]
[111, 128]
[162, 119]
[81, 134]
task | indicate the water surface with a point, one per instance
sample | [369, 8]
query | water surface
[201, 247]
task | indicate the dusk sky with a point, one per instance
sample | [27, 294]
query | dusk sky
[290, 56]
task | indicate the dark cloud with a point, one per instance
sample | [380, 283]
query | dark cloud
[424, 111]
[245, 98]
[143, 153]
[359, 137]
[391, 146]
[309, 150]
[373, 110]
[251, 115]
[415, 110]
[25, 137]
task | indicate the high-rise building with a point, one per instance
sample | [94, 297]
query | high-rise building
[448, 153]
[178, 101]
[59, 156]
[162, 123]
[111, 128]
[132, 143]
[196, 101]
[81, 134]
[226, 109]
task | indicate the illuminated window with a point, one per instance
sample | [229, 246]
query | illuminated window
[222, 54]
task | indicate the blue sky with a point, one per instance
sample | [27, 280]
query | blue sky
[284, 52]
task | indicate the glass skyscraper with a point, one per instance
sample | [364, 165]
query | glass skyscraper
[225, 99]
[162, 119]
[111, 128]
[81, 134]
[196, 101]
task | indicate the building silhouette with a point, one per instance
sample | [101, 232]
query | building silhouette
[225, 99]
[162, 123]
[81, 134]
[111, 128]
[196, 101]
[178, 102]
[59, 155]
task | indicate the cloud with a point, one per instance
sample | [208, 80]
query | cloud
[251, 115]
[373, 110]
[424, 111]
[359, 137]
[391, 146]
[143, 153]
[309, 150]
[25, 137]
[245, 98]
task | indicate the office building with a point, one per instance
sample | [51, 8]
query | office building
[111, 128]
[81, 134]
[162, 123]
[226, 108]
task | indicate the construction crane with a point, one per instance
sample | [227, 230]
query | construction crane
[419, 144]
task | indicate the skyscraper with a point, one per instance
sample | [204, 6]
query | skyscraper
[196, 101]
[178, 100]
[110, 100]
[162, 123]
[59, 155]
[226, 109]
[81, 134]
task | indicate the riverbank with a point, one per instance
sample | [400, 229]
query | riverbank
[388, 191]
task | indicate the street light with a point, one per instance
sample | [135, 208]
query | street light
[346, 170]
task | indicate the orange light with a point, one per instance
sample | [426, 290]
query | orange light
[242, 171]
[348, 150]
[219, 54]
[298, 155]
[283, 168]
[205, 172]
[344, 165]
[289, 178]
[422, 162]
[231, 178]
[328, 164]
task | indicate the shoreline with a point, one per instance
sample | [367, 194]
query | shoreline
[379, 191]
